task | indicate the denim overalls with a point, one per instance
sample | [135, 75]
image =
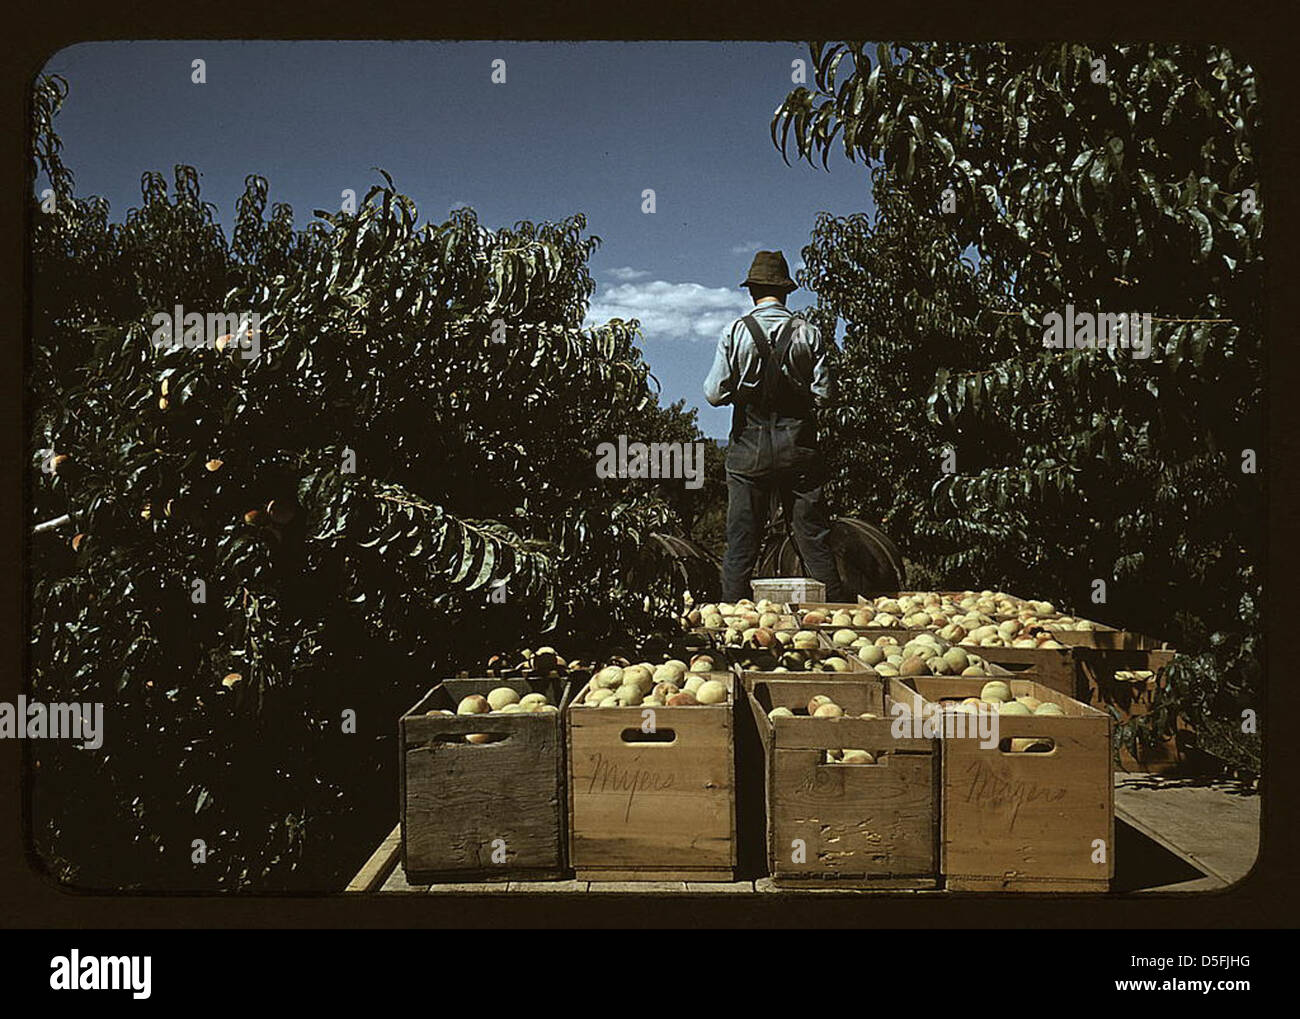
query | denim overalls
[772, 452]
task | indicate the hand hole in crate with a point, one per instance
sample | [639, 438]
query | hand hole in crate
[1043, 745]
[662, 737]
[871, 761]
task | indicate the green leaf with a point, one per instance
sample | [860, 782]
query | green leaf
[1204, 233]
[485, 569]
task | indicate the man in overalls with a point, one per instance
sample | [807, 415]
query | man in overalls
[771, 367]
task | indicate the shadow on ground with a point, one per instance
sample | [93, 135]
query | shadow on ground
[1142, 863]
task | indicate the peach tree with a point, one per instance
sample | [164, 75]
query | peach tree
[1011, 181]
[273, 543]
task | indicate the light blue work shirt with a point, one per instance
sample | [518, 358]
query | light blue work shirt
[738, 369]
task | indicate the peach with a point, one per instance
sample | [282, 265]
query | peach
[995, 690]
[711, 692]
[501, 696]
[474, 704]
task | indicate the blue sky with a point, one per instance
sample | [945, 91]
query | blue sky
[577, 127]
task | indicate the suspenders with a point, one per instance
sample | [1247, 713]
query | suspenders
[772, 357]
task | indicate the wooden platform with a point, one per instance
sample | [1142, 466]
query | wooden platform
[1210, 826]
[1173, 836]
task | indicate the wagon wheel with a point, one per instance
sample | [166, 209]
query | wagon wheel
[700, 568]
[868, 561]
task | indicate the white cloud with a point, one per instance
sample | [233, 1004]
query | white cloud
[749, 247]
[670, 311]
[626, 273]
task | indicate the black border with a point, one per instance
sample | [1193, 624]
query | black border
[1266, 898]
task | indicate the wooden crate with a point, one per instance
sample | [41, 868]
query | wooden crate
[995, 670]
[715, 634]
[1026, 822]
[846, 825]
[1107, 638]
[898, 633]
[1126, 700]
[1053, 667]
[997, 617]
[653, 807]
[462, 804]
[799, 608]
[951, 595]
[858, 672]
[786, 622]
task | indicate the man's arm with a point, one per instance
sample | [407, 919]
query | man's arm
[720, 385]
[821, 373]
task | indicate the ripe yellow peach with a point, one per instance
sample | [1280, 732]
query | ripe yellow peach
[474, 704]
[995, 690]
[711, 692]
